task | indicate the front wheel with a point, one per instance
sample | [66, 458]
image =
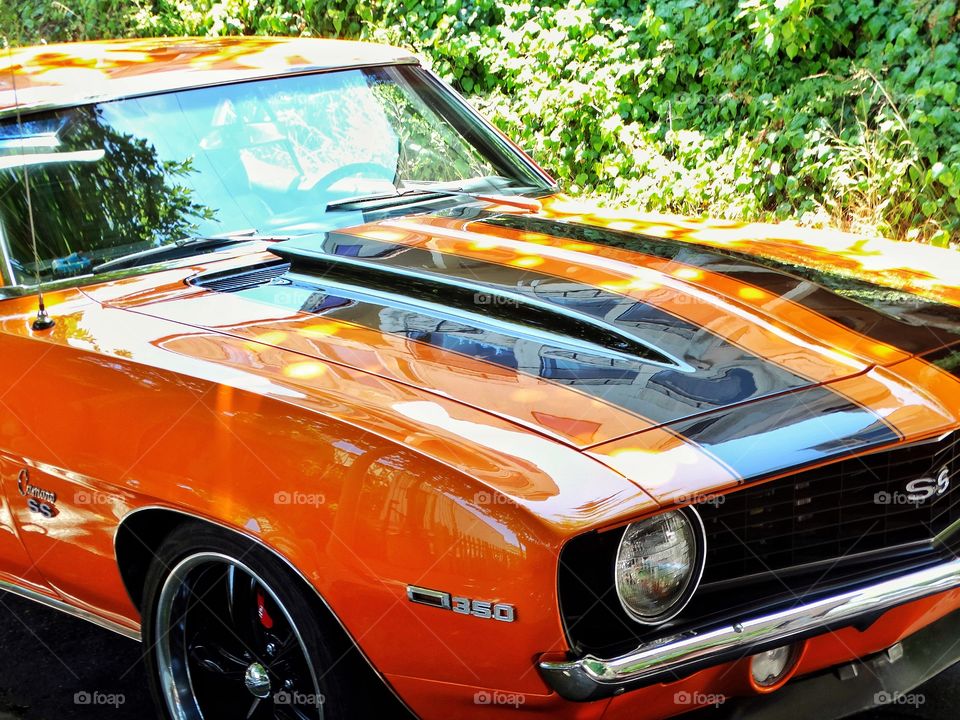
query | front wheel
[231, 634]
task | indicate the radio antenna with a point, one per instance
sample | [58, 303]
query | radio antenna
[42, 321]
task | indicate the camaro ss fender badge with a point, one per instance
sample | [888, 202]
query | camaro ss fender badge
[39, 500]
[922, 489]
[461, 605]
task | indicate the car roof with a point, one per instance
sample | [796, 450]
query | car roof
[78, 73]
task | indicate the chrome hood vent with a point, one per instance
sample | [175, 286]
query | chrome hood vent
[231, 281]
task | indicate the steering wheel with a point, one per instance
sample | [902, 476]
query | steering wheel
[370, 170]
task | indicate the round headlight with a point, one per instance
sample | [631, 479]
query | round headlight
[659, 564]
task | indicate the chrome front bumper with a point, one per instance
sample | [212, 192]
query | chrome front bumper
[591, 678]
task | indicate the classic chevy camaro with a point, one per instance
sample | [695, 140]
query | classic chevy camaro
[344, 411]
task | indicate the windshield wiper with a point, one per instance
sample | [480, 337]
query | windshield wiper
[387, 199]
[180, 249]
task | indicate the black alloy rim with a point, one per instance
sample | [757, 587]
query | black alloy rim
[228, 649]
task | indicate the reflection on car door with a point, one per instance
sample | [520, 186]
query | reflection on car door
[64, 518]
[15, 564]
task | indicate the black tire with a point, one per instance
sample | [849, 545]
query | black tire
[230, 628]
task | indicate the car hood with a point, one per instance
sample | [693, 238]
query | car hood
[589, 335]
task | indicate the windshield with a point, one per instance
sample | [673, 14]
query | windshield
[267, 156]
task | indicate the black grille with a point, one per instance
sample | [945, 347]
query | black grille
[782, 542]
[229, 281]
[833, 513]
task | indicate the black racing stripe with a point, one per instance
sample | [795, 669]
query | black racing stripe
[709, 371]
[869, 310]
[787, 432]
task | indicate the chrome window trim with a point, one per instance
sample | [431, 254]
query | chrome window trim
[505, 144]
[85, 281]
[6, 264]
[590, 677]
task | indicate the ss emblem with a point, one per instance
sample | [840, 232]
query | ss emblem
[923, 489]
[36, 506]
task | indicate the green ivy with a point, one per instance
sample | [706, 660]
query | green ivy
[827, 111]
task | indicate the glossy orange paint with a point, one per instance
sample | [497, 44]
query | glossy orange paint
[626, 273]
[218, 424]
[776, 329]
[799, 318]
[70, 74]
[226, 443]
[528, 401]
[371, 462]
[915, 267]
[720, 684]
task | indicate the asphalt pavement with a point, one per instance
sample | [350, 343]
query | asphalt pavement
[55, 667]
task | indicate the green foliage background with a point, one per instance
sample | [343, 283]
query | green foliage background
[841, 112]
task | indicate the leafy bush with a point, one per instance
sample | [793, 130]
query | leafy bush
[829, 111]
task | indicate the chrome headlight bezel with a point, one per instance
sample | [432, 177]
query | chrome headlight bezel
[699, 554]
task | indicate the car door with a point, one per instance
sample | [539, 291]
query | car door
[15, 564]
[50, 442]
[77, 207]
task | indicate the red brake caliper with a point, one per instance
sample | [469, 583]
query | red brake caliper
[263, 613]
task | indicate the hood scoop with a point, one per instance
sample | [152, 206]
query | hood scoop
[427, 310]
[459, 287]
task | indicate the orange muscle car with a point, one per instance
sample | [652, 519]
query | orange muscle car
[334, 401]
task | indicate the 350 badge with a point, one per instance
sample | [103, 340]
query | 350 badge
[484, 609]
